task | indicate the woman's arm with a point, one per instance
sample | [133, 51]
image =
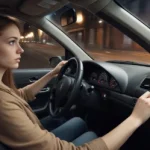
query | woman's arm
[20, 129]
[118, 136]
[35, 87]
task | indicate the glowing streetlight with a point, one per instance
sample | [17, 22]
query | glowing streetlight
[100, 21]
[40, 32]
[30, 35]
[79, 17]
[22, 37]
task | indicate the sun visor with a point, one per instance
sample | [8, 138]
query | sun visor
[38, 7]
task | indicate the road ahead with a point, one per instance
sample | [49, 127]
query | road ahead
[37, 55]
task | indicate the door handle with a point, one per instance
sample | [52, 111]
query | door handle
[45, 90]
[33, 79]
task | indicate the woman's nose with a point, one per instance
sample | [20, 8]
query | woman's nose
[20, 49]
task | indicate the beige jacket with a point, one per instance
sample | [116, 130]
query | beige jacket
[20, 129]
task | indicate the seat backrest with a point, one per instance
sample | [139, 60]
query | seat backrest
[3, 147]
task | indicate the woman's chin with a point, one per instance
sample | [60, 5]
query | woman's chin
[15, 66]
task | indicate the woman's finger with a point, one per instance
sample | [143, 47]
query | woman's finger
[146, 95]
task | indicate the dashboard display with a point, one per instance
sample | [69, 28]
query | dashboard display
[99, 77]
[113, 84]
[103, 79]
[94, 76]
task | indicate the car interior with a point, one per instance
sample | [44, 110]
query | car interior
[102, 93]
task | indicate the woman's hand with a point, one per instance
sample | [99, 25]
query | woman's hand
[141, 111]
[56, 70]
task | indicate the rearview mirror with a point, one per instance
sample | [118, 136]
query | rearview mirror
[64, 16]
[68, 17]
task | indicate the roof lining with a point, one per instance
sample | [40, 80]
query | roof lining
[39, 8]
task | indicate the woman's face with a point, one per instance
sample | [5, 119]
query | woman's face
[10, 50]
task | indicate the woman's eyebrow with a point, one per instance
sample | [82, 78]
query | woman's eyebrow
[13, 38]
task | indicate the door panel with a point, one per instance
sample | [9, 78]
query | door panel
[24, 77]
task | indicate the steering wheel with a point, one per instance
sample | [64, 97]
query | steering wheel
[66, 89]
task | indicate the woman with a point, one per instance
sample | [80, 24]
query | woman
[20, 129]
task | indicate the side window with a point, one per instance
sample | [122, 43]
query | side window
[38, 48]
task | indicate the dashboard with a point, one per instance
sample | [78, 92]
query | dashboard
[121, 83]
[112, 89]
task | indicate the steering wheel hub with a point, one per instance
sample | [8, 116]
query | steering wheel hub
[62, 89]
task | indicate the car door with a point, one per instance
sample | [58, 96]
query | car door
[38, 48]
[24, 77]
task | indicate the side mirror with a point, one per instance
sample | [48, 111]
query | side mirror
[54, 61]
[68, 17]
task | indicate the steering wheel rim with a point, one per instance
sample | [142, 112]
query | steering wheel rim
[74, 88]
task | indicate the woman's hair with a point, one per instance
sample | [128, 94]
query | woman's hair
[7, 78]
[7, 21]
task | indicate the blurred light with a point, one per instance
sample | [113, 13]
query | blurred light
[30, 35]
[40, 32]
[22, 37]
[44, 40]
[100, 21]
[79, 17]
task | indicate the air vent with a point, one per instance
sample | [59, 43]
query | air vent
[146, 84]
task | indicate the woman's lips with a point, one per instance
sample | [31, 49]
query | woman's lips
[18, 59]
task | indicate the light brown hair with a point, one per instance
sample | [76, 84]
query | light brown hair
[7, 78]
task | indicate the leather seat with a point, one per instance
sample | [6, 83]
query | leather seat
[3, 147]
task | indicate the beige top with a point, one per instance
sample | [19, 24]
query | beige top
[20, 129]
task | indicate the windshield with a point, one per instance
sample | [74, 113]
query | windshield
[102, 41]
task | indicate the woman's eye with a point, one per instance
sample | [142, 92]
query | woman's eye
[12, 42]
